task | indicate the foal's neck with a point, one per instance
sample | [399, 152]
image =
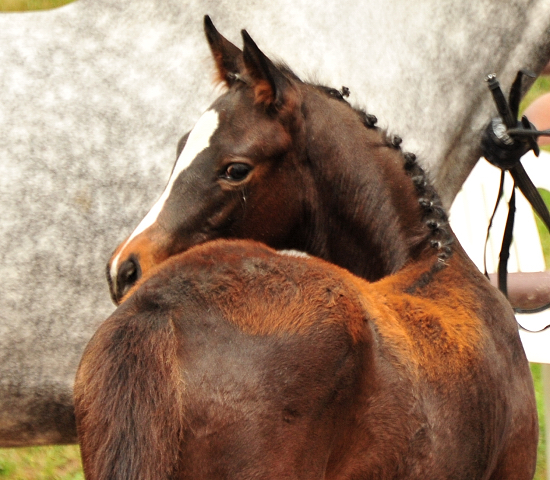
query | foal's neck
[372, 221]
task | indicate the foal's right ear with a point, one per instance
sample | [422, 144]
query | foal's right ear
[228, 57]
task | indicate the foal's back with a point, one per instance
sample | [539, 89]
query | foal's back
[234, 361]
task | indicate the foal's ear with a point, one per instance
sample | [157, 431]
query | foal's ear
[228, 57]
[270, 84]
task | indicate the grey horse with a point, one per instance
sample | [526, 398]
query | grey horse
[96, 94]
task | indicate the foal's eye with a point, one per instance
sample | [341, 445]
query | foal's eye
[236, 171]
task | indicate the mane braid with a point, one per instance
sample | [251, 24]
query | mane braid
[434, 215]
[435, 218]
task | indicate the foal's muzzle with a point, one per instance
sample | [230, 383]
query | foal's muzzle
[128, 273]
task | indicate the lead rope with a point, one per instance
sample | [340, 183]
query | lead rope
[504, 142]
[499, 198]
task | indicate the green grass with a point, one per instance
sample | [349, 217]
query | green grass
[25, 5]
[535, 368]
[59, 462]
[543, 231]
[541, 85]
[540, 473]
[63, 462]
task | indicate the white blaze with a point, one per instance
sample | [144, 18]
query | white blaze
[198, 140]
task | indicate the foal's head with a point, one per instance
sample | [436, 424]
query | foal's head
[235, 170]
[286, 163]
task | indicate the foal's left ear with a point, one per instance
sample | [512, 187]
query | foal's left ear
[270, 84]
[228, 57]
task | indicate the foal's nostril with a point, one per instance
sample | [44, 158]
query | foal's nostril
[128, 274]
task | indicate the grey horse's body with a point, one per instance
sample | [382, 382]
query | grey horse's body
[96, 94]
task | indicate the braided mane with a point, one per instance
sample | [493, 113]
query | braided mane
[434, 215]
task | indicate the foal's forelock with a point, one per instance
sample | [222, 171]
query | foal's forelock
[198, 140]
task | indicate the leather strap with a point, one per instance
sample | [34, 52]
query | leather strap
[504, 142]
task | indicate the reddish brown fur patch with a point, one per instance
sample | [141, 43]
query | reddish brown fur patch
[303, 290]
[263, 93]
[219, 73]
[303, 293]
[437, 332]
[286, 106]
